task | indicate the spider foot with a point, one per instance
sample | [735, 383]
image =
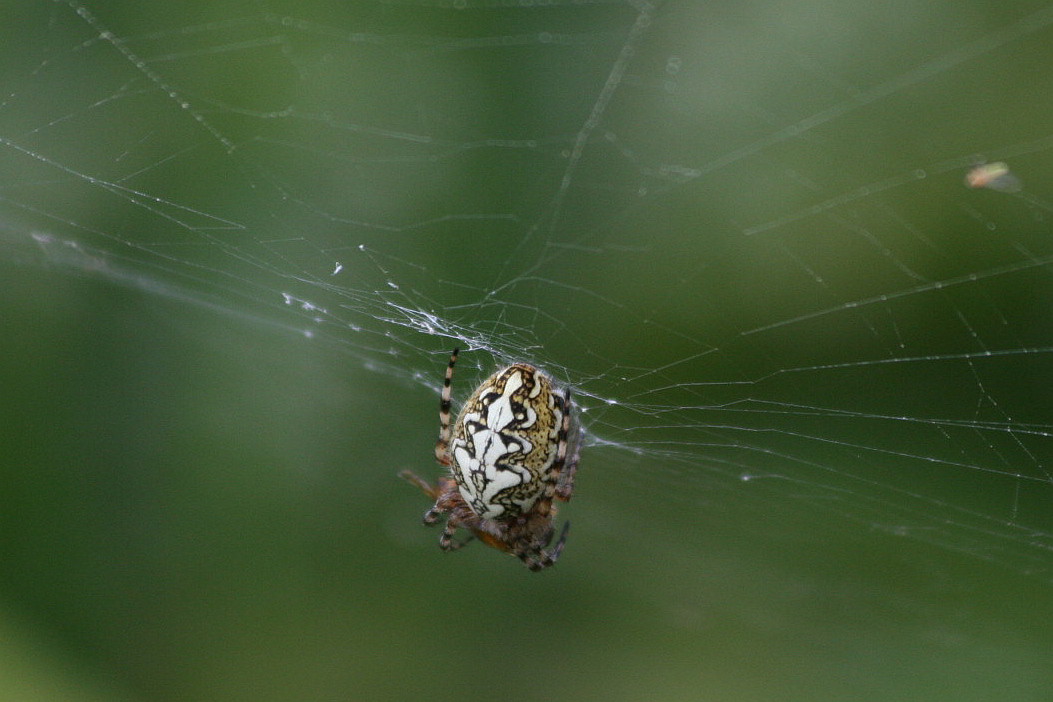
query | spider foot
[543, 559]
[446, 542]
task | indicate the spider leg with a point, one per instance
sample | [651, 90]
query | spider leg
[442, 446]
[446, 542]
[433, 491]
[411, 477]
[565, 484]
[549, 533]
[539, 560]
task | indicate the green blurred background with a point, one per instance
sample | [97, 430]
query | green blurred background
[238, 241]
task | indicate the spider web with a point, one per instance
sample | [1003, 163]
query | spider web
[746, 260]
[742, 237]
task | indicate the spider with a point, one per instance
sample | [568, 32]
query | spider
[507, 455]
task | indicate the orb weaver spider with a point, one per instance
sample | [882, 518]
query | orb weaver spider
[507, 457]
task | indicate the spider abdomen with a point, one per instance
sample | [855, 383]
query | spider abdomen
[505, 442]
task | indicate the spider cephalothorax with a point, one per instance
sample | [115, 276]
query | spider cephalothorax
[507, 455]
